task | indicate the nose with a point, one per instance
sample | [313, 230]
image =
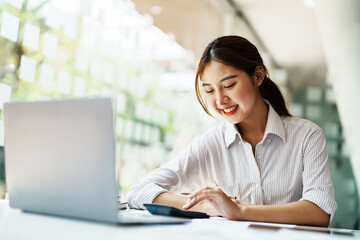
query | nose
[221, 99]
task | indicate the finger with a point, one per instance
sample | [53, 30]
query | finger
[204, 194]
[200, 196]
[197, 192]
[193, 200]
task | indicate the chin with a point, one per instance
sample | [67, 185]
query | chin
[232, 120]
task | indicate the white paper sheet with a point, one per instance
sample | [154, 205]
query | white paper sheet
[27, 69]
[9, 26]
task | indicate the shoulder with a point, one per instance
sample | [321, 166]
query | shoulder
[299, 124]
[304, 132]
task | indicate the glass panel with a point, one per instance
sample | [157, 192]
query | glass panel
[9, 26]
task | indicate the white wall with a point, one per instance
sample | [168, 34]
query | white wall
[339, 24]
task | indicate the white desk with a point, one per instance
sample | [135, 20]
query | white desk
[15, 224]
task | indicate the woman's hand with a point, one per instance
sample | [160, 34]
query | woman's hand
[222, 203]
[178, 201]
[205, 207]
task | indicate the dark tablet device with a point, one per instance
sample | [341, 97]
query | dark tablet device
[159, 209]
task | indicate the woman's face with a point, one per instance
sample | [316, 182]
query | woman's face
[229, 91]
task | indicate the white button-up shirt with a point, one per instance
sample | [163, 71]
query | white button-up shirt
[289, 164]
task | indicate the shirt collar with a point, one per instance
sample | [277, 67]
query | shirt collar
[230, 133]
[274, 125]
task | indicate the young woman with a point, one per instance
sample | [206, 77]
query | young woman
[261, 164]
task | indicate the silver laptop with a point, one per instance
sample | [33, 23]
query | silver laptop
[60, 159]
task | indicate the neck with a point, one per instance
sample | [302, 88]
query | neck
[252, 129]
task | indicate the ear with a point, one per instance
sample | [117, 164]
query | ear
[259, 75]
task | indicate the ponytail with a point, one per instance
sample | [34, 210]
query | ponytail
[271, 92]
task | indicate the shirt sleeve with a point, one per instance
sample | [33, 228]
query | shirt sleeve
[317, 184]
[183, 172]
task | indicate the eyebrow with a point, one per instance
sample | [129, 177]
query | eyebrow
[224, 79]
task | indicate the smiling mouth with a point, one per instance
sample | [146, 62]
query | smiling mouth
[230, 110]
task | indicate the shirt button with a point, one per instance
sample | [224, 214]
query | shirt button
[257, 185]
[268, 140]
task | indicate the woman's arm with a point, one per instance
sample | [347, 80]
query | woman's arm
[179, 201]
[171, 199]
[180, 173]
[301, 212]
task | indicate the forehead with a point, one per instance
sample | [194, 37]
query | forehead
[215, 71]
[216, 65]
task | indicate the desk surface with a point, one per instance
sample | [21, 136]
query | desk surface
[15, 224]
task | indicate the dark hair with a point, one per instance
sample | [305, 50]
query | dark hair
[239, 53]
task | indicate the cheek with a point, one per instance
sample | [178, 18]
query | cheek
[245, 93]
[211, 101]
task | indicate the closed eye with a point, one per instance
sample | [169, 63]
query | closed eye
[210, 91]
[229, 86]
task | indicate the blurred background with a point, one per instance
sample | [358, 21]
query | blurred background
[143, 54]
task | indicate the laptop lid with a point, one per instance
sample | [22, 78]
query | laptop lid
[60, 158]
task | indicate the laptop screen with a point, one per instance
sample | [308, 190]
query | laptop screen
[60, 158]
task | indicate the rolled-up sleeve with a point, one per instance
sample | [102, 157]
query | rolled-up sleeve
[187, 168]
[317, 184]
